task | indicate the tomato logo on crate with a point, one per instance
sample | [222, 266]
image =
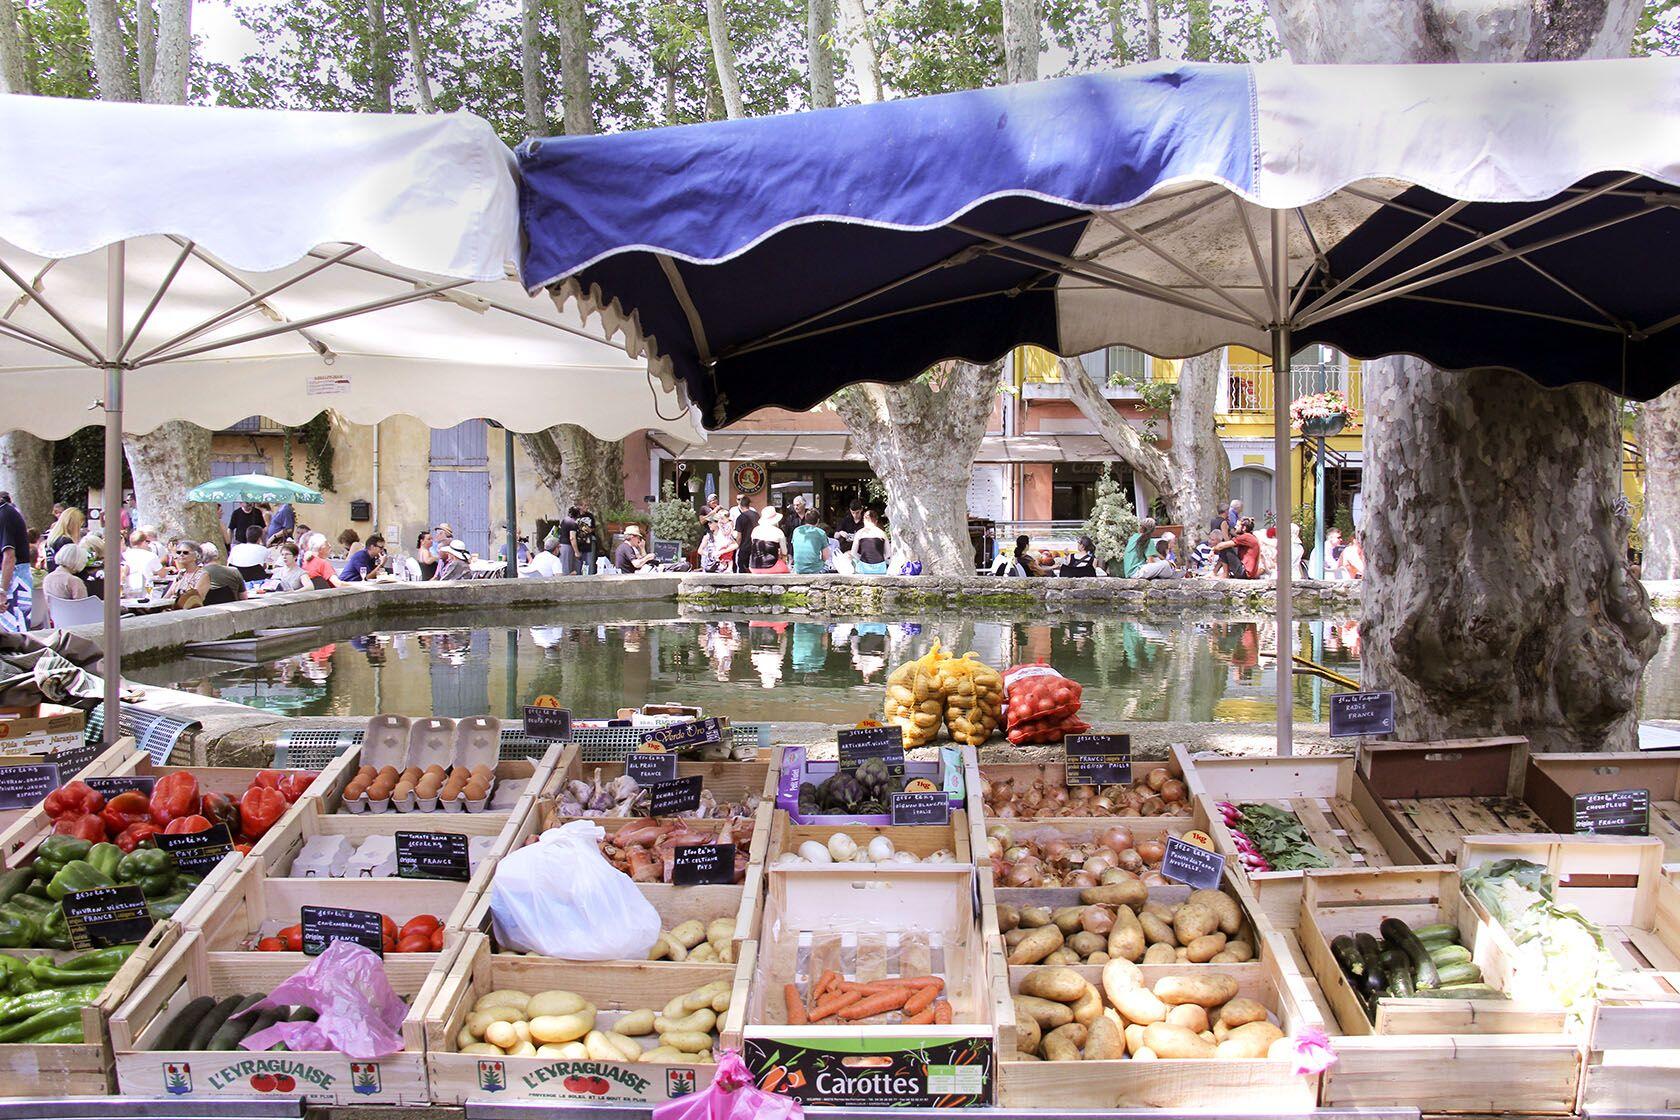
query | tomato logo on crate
[492, 1076]
[364, 1077]
[177, 1078]
[679, 1082]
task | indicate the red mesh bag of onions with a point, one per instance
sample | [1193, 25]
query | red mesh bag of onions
[1039, 704]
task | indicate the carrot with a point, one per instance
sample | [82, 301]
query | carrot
[875, 1005]
[942, 1011]
[774, 1078]
[832, 1004]
[937, 983]
[920, 999]
[826, 981]
[925, 1015]
[795, 1006]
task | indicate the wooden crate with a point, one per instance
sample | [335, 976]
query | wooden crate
[82, 1068]
[251, 905]
[321, 1077]
[1054, 773]
[1432, 795]
[1218, 1085]
[541, 816]
[791, 766]
[1552, 781]
[1460, 1068]
[1326, 795]
[457, 1078]
[922, 840]
[735, 782]
[1083, 829]
[1633, 1033]
[884, 920]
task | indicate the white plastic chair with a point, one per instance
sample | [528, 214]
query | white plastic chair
[74, 612]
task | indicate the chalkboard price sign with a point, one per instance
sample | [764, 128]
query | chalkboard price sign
[1098, 760]
[110, 787]
[647, 768]
[921, 808]
[690, 737]
[676, 797]
[548, 723]
[1361, 713]
[667, 552]
[196, 852]
[433, 855]
[694, 865]
[73, 760]
[106, 916]
[22, 787]
[1620, 812]
[859, 744]
[322, 925]
[1195, 867]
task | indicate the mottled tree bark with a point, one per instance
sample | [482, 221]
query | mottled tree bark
[417, 57]
[14, 69]
[920, 439]
[110, 55]
[379, 57]
[165, 464]
[172, 54]
[574, 465]
[819, 51]
[860, 50]
[26, 472]
[533, 86]
[1659, 441]
[1152, 29]
[723, 58]
[577, 101]
[1020, 40]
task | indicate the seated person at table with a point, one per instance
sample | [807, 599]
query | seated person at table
[366, 562]
[140, 564]
[226, 584]
[288, 573]
[248, 557]
[456, 562]
[315, 563]
[632, 555]
[547, 563]
[65, 580]
[1156, 565]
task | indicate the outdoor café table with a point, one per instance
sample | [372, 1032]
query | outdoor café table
[150, 605]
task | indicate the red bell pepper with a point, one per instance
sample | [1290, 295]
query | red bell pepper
[127, 808]
[136, 834]
[190, 823]
[259, 808]
[87, 826]
[175, 795]
[268, 779]
[75, 798]
[295, 784]
[219, 808]
[292, 938]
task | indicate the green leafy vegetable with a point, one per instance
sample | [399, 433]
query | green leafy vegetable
[1281, 838]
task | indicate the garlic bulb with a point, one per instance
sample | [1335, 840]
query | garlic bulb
[880, 849]
[842, 847]
[814, 852]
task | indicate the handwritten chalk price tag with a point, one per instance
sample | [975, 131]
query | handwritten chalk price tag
[675, 798]
[196, 852]
[1191, 865]
[648, 768]
[322, 925]
[921, 808]
[1361, 713]
[548, 723]
[110, 787]
[22, 787]
[857, 745]
[694, 865]
[433, 855]
[106, 916]
[1098, 760]
[1621, 812]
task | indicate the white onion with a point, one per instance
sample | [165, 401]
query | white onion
[842, 847]
[814, 852]
[880, 849]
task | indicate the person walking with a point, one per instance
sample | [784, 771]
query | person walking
[746, 520]
[244, 515]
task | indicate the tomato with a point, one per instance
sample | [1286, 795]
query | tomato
[175, 795]
[292, 938]
[271, 945]
[437, 940]
[415, 943]
[187, 824]
[425, 923]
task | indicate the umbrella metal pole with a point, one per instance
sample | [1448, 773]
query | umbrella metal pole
[512, 508]
[111, 518]
[1282, 351]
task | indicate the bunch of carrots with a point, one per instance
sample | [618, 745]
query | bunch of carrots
[916, 997]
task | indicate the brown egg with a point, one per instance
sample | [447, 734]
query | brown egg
[403, 790]
[477, 790]
[355, 789]
[412, 774]
[367, 772]
[380, 790]
[388, 772]
[434, 768]
[482, 771]
[452, 791]
[429, 785]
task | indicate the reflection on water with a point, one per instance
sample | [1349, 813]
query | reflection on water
[781, 669]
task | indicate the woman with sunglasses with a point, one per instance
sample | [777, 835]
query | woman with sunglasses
[191, 583]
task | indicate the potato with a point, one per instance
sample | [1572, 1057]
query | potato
[1098, 958]
[482, 1048]
[1033, 917]
[1251, 1040]
[1160, 954]
[1160, 909]
[1242, 1010]
[1145, 1054]
[554, 1003]
[1208, 991]
[1015, 936]
[1063, 985]
[702, 997]
[1027, 1034]
[1193, 920]
[1125, 937]
[1156, 929]
[1037, 945]
[702, 1020]
[690, 1042]
[1168, 1041]
[661, 949]
[503, 997]
[1205, 947]
[1075, 1033]
[720, 1002]
[1220, 1031]
[1104, 1041]
[1066, 918]
[1022, 1056]
[1089, 1006]
[1097, 919]
[667, 1055]
[522, 1030]
[720, 931]
[1062, 956]
[1224, 907]
[1242, 950]
[563, 1028]
[1131, 892]
[1120, 977]
[1181, 955]
[502, 1034]
[1048, 1014]
[522, 1050]
[1134, 1038]
[600, 1048]
[1190, 1016]
[1283, 1050]
[703, 953]
[571, 1051]
[1226, 957]
[689, 933]
[1141, 1006]
[478, 1022]
[674, 950]
[1009, 916]
[1085, 943]
[1060, 1049]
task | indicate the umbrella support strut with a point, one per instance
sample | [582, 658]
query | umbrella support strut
[1282, 352]
[111, 504]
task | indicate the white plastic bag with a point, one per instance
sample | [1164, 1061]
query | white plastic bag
[561, 898]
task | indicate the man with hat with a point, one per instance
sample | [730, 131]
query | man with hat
[456, 561]
[632, 555]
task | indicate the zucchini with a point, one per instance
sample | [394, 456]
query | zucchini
[1439, 931]
[1461, 973]
[212, 1022]
[1400, 934]
[1347, 955]
[227, 1035]
[1376, 980]
[1466, 991]
[180, 1029]
[1448, 954]
[1399, 973]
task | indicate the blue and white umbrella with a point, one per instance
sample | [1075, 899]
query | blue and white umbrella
[1518, 216]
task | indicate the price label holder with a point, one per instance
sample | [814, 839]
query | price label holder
[1621, 812]
[322, 925]
[433, 855]
[106, 916]
[196, 853]
[695, 865]
[678, 797]
[73, 760]
[649, 768]
[1193, 866]
[548, 723]
[860, 744]
[110, 787]
[921, 808]
[1361, 713]
[690, 737]
[1098, 760]
[23, 787]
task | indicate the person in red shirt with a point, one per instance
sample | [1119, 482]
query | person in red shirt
[1242, 552]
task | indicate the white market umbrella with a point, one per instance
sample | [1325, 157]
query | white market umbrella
[205, 264]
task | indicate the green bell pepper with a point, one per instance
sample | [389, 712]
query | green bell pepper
[38, 889]
[106, 857]
[163, 909]
[60, 850]
[55, 931]
[143, 862]
[30, 903]
[17, 930]
[11, 968]
[157, 886]
[78, 875]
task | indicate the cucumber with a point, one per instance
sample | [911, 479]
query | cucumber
[262, 1021]
[180, 1029]
[1440, 931]
[227, 1035]
[1461, 973]
[1376, 980]
[1424, 975]
[212, 1022]
[1347, 955]
[1448, 954]
[1399, 973]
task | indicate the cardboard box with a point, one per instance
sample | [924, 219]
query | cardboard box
[42, 734]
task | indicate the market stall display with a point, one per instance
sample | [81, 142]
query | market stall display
[440, 765]
[1028, 791]
[1082, 852]
[818, 791]
[842, 846]
[606, 791]
[1431, 795]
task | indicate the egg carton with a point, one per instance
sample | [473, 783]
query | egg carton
[404, 745]
[335, 857]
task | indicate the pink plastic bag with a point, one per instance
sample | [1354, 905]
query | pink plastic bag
[360, 1016]
[731, 1096]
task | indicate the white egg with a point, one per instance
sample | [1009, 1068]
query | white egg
[814, 852]
[880, 850]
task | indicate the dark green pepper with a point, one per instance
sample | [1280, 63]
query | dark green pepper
[29, 903]
[38, 889]
[97, 960]
[17, 930]
[16, 1008]
[156, 886]
[12, 968]
[163, 909]
[55, 931]
[143, 862]
[61, 849]
[78, 875]
[43, 1021]
[57, 976]
[106, 857]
